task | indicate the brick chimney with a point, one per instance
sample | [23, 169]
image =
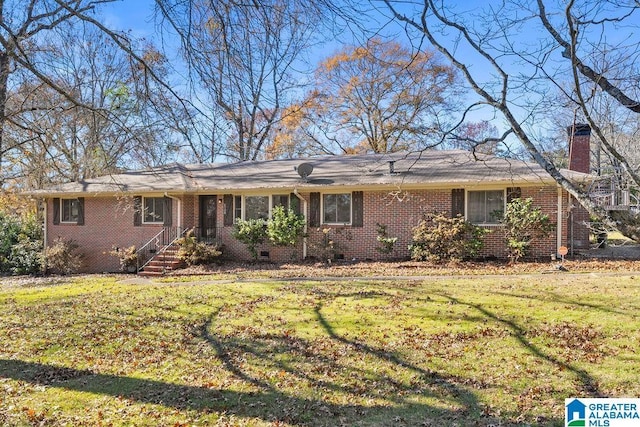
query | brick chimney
[579, 148]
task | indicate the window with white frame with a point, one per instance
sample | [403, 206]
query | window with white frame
[69, 210]
[256, 207]
[259, 207]
[237, 207]
[336, 208]
[153, 208]
[485, 207]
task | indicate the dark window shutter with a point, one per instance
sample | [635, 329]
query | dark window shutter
[137, 211]
[314, 209]
[80, 210]
[357, 202]
[56, 211]
[513, 193]
[167, 212]
[228, 209]
[457, 202]
[294, 203]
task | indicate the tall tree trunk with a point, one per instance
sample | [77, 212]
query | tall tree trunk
[4, 77]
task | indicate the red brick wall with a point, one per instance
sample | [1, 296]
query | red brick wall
[400, 212]
[109, 222]
[579, 148]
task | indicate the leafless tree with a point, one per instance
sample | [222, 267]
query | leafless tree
[37, 72]
[245, 57]
[518, 55]
[112, 120]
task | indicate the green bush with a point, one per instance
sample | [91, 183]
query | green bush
[438, 237]
[251, 232]
[386, 243]
[522, 224]
[285, 227]
[26, 256]
[193, 252]
[21, 244]
[62, 257]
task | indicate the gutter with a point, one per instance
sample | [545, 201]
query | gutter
[304, 209]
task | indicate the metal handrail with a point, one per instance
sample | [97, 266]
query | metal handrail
[147, 248]
[157, 245]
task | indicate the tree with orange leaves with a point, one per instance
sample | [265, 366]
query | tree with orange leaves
[380, 97]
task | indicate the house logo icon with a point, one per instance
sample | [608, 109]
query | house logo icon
[575, 414]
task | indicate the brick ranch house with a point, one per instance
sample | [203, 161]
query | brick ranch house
[344, 196]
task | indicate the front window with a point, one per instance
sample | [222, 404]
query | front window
[280, 200]
[237, 207]
[336, 208]
[69, 210]
[153, 209]
[256, 207]
[485, 207]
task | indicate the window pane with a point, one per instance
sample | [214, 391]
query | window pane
[154, 209]
[69, 210]
[256, 207]
[237, 213]
[475, 206]
[336, 208]
[495, 206]
[330, 209]
[485, 206]
[280, 200]
[344, 207]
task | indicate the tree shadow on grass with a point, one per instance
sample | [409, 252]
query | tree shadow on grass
[268, 404]
[586, 384]
[381, 376]
[329, 380]
[298, 361]
[548, 296]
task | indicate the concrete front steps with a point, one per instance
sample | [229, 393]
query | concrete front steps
[162, 263]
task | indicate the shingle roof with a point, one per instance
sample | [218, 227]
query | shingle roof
[432, 168]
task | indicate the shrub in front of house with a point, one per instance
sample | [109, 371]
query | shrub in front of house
[522, 224]
[62, 257]
[128, 258]
[251, 232]
[285, 227]
[20, 244]
[440, 238]
[194, 252]
[387, 242]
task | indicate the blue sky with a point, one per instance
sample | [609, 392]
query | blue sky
[134, 15]
[137, 16]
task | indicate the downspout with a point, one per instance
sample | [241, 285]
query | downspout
[560, 217]
[45, 230]
[304, 209]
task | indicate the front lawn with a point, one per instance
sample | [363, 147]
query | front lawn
[481, 350]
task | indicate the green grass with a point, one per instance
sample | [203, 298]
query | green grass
[440, 352]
